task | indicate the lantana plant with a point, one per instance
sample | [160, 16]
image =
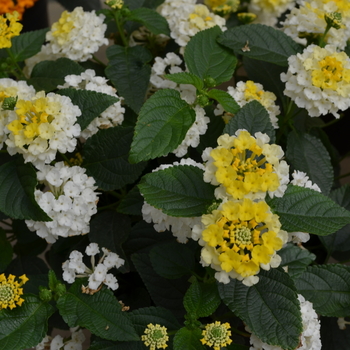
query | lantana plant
[169, 178]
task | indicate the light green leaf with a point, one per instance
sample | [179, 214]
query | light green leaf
[305, 210]
[100, 313]
[178, 191]
[186, 78]
[260, 42]
[188, 339]
[270, 308]
[162, 125]
[151, 19]
[46, 75]
[17, 185]
[129, 72]
[328, 288]
[308, 154]
[206, 58]
[91, 104]
[225, 99]
[202, 299]
[296, 259]
[106, 158]
[28, 44]
[172, 260]
[26, 325]
[252, 117]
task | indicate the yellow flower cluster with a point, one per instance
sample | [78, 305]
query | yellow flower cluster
[62, 28]
[9, 6]
[217, 335]
[11, 291]
[155, 337]
[240, 236]
[222, 7]
[201, 18]
[9, 27]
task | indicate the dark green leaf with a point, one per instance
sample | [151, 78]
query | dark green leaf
[328, 288]
[91, 104]
[306, 153]
[129, 72]
[106, 158]
[202, 299]
[101, 344]
[132, 203]
[188, 339]
[205, 58]
[100, 313]
[151, 19]
[28, 44]
[261, 42]
[24, 326]
[46, 75]
[186, 78]
[332, 337]
[252, 117]
[178, 191]
[162, 125]
[296, 259]
[270, 308]
[225, 99]
[172, 260]
[17, 185]
[305, 210]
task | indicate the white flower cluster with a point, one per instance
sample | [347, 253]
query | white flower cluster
[268, 11]
[42, 126]
[76, 35]
[309, 17]
[310, 338]
[12, 88]
[186, 18]
[248, 91]
[171, 64]
[74, 342]
[112, 116]
[319, 80]
[98, 274]
[181, 227]
[70, 202]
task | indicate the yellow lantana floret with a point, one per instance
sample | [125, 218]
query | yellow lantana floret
[217, 335]
[9, 27]
[155, 337]
[11, 291]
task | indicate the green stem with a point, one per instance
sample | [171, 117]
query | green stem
[332, 121]
[342, 176]
[98, 61]
[18, 73]
[66, 159]
[322, 42]
[5, 223]
[108, 206]
[120, 26]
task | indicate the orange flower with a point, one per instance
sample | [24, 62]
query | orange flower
[9, 6]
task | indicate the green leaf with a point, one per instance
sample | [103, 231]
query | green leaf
[172, 260]
[332, 337]
[338, 243]
[186, 78]
[28, 44]
[260, 42]
[91, 104]
[106, 158]
[296, 259]
[252, 117]
[270, 308]
[46, 75]
[164, 292]
[178, 191]
[202, 299]
[188, 339]
[328, 288]
[225, 99]
[101, 344]
[6, 251]
[26, 325]
[308, 154]
[100, 313]
[132, 203]
[162, 125]
[129, 72]
[305, 210]
[151, 19]
[17, 185]
[205, 58]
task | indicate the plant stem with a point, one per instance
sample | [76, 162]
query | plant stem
[18, 73]
[98, 61]
[120, 26]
